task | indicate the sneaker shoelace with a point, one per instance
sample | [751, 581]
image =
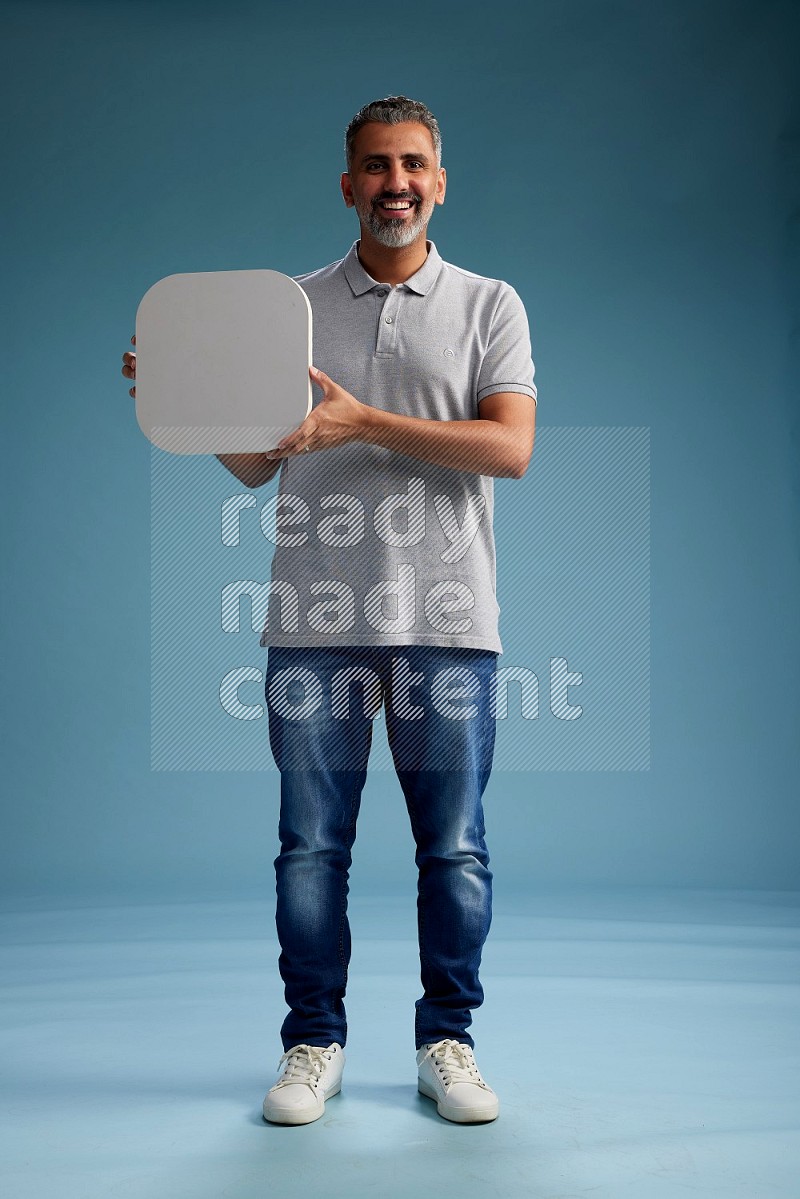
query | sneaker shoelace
[304, 1063]
[455, 1062]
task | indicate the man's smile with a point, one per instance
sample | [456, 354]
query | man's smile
[396, 206]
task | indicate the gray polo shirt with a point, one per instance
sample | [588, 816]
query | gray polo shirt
[373, 546]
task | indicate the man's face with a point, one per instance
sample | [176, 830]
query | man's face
[394, 164]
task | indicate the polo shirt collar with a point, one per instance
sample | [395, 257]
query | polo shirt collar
[360, 281]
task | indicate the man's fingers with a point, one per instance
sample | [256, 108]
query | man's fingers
[283, 448]
[129, 367]
[294, 444]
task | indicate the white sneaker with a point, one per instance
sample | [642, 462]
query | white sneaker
[448, 1074]
[311, 1075]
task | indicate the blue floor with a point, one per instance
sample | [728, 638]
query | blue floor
[642, 1043]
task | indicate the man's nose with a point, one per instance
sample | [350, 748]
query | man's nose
[397, 180]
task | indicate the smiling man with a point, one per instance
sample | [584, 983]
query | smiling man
[424, 393]
[427, 393]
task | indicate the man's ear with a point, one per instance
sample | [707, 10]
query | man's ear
[347, 190]
[441, 185]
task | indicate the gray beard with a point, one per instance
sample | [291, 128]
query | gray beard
[395, 234]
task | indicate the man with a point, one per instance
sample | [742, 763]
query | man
[427, 393]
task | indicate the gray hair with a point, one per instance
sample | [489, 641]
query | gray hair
[393, 110]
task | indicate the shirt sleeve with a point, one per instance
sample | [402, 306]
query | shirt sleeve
[507, 364]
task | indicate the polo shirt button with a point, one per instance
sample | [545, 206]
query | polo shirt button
[382, 291]
[388, 319]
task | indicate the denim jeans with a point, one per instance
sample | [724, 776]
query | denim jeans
[442, 743]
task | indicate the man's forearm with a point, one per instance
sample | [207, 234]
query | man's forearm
[484, 446]
[251, 469]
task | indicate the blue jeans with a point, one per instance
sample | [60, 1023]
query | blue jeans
[320, 730]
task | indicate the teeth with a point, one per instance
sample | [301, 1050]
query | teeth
[402, 204]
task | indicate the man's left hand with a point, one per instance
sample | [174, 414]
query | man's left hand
[338, 418]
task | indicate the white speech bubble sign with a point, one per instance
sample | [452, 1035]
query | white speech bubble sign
[222, 361]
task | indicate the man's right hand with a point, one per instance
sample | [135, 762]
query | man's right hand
[129, 368]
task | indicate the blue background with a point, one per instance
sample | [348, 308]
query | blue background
[632, 169]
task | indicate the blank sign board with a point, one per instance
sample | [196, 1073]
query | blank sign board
[222, 361]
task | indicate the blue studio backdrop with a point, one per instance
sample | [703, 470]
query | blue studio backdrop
[632, 170]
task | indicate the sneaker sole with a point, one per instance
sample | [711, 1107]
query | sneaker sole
[299, 1116]
[459, 1115]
